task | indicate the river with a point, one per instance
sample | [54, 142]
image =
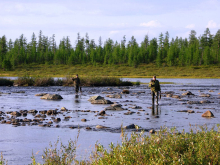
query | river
[18, 143]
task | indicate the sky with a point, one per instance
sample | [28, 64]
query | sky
[108, 18]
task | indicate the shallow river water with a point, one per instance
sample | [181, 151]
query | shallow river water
[18, 143]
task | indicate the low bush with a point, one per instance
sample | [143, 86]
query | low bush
[202, 147]
[24, 81]
[6, 82]
[85, 81]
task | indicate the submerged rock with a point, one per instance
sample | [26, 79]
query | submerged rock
[208, 114]
[187, 93]
[189, 111]
[101, 102]
[40, 94]
[136, 107]
[205, 102]
[52, 97]
[117, 96]
[129, 113]
[32, 111]
[193, 102]
[117, 107]
[204, 95]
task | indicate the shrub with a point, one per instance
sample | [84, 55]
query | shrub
[202, 147]
[6, 82]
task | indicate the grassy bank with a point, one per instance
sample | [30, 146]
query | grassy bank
[163, 147]
[49, 81]
[115, 70]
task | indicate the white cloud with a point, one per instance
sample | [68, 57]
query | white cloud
[190, 26]
[114, 32]
[153, 23]
[212, 24]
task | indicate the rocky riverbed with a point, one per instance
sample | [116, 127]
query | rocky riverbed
[27, 119]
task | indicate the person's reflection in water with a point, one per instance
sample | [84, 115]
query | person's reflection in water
[155, 110]
[77, 100]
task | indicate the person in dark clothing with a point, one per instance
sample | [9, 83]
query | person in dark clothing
[155, 89]
[76, 83]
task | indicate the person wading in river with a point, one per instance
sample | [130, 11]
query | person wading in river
[155, 89]
[76, 83]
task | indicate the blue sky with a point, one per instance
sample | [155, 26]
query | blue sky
[108, 18]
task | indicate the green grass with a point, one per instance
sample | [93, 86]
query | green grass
[144, 70]
[199, 146]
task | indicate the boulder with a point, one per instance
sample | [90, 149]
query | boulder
[99, 100]
[187, 93]
[101, 127]
[102, 113]
[208, 114]
[83, 120]
[52, 112]
[15, 113]
[97, 97]
[64, 109]
[131, 126]
[57, 120]
[52, 97]
[152, 131]
[125, 91]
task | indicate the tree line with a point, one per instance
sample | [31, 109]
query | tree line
[192, 51]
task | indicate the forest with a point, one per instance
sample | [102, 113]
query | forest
[162, 51]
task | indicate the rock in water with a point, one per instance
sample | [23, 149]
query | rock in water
[102, 113]
[51, 97]
[187, 93]
[125, 91]
[131, 126]
[97, 97]
[208, 114]
[40, 94]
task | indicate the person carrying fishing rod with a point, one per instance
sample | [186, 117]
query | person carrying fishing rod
[155, 89]
[76, 81]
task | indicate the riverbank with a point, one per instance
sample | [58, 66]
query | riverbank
[142, 71]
